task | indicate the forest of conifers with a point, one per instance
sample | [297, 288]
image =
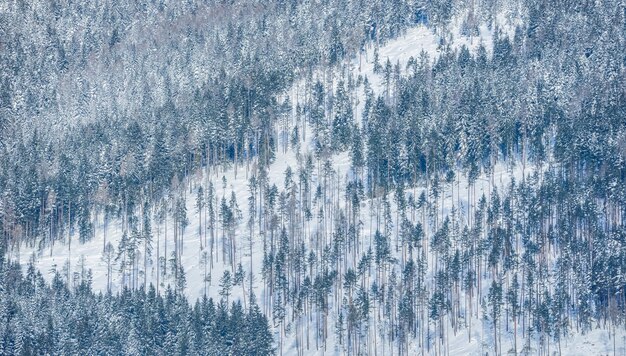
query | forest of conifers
[483, 189]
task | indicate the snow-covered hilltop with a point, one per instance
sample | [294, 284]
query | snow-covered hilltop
[410, 180]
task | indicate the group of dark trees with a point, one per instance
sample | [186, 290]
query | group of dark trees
[39, 318]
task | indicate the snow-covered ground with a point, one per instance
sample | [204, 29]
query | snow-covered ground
[415, 41]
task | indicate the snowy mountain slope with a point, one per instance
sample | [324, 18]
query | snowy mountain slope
[411, 45]
[226, 181]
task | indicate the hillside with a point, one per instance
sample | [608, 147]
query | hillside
[453, 187]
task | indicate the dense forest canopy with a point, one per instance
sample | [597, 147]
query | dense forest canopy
[55, 319]
[486, 181]
[140, 93]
